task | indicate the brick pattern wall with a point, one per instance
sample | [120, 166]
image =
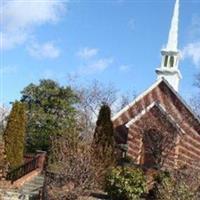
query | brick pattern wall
[135, 139]
[187, 149]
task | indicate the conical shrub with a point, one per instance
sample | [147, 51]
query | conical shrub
[14, 135]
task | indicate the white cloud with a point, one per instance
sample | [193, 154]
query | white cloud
[124, 68]
[195, 26]
[93, 63]
[45, 50]
[8, 70]
[96, 66]
[20, 18]
[101, 64]
[192, 50]
[87, 53]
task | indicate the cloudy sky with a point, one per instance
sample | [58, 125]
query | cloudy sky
[113, 41]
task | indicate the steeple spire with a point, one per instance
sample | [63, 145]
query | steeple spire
[171, 55]
[173, 33]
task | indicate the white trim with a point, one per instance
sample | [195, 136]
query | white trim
[162, 110]
[169, 117]
[150, 89]
[182, 100]
[139, 115]
[137, 99]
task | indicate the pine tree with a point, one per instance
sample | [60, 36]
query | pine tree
[103, 141]
[14, 135]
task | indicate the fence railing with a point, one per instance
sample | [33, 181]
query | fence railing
[22, 170]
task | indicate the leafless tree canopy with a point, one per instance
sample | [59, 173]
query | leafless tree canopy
[195, 101]
[77, 171]
[197, 81]
[3, 117]
[92, 96]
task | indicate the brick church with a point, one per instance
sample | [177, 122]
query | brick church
[158, 127]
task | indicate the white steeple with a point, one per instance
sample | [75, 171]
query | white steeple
[173, 33]
[171, 55]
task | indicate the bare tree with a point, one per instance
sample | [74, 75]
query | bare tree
[77, 172]
[181, 184]
[197, 80]
[195, 101]
[124, 100]
[92, 96]
[3, 118]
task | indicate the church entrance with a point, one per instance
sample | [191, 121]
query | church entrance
[152, 149]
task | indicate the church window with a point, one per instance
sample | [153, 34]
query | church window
[166, 61]
[171, 61]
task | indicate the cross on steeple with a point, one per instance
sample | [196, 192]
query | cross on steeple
[171, 55]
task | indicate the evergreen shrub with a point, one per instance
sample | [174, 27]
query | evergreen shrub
[169, 187]
[125, 183]
[14, 135]
[104, 132]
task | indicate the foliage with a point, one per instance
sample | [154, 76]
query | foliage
[14, 135]
[125, 183]
[91, 96]
[51, 112]
[74, 172]
[77, 170]
[126, 160]
[103, 141]
[103, 145]
[173, 186]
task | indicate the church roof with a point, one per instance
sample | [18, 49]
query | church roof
[156, 84]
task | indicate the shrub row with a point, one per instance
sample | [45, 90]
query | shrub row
[128, 183]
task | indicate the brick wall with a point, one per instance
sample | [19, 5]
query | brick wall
[187, 148]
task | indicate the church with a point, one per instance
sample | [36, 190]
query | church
[159, 129]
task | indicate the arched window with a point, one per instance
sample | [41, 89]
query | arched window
[171, 61]
[166, 61]
[152, 150]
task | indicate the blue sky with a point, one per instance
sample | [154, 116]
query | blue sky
[116, 42]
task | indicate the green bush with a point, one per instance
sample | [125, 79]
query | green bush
[169, 187]
[125, 183]
[14, 135]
